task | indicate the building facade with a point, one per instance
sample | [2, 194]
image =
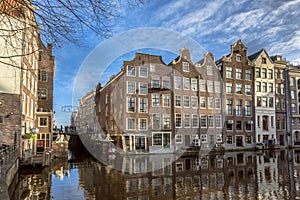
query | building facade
[237, 72]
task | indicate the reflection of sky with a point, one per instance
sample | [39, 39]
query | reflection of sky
[68, 187]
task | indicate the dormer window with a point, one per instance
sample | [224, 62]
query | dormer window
[185, 67]
[239, 58]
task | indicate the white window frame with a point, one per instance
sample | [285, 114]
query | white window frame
[152, 102]
[139, 121]
[186, 99]
[127, 124]
[140, 86]
[178, 138]
[142, 76]
[187, 116]
[127, 88]
[178, 114]
[195, 116]
[194, 99]
[133, 67]
[194, 84]
[146, 109]
[164, 102]
[177, 82]
[186, 83]
[185, 67]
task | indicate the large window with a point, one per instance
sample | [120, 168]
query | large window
[166, 122]
[239, 88]
[187, 121]
[218, 121]
[248, 75]
[264, 87]
[270, 73]
[130, 104]
[229, 106]
[178, 101]
[142, 124]
[43, 121]
[228, 72]
[270, 87]
[178, 120]
[155, 121]
[166, 100]
[239, 125]
[155, 100]
[263, 73]
[186, 101]
[210, 86]
[185, 67]
[42, 94]
[218, 103]
[203, 123]
[217, 86]
[186, 83]
[202, 85]
[155, 83]
[130, 71]
[248, 89]
[143, 88]
[195, 121]
[271, 102]
[210, 102]
[239, 73]
[258, 86]
[210, 121]
[239, 107]
[228, 88]
[42, 75]
[202, 102]
[177, 82]
[257, 72]
[130, 123]
[144, 72]
[131, 87]
[194, 84]
[194, 101]
[248, 108]
[166, 84]
[143, 105]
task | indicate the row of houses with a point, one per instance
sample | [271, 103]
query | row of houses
[26, 82]
[236, 102]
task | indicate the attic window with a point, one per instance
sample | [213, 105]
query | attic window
[185, 67]
[264, 61]
[239, 58]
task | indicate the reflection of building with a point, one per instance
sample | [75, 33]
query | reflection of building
[264, 97]
[237, 73]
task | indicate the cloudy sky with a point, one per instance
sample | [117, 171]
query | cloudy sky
[213, 24]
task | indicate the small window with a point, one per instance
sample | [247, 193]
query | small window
[144, 72]
[185, 66]
[209, 70]
[130, 71]
[264, 61]
[43, 121]
[42, 94]
[152, 68]
[239, 58]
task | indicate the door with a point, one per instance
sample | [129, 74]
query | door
[239, 141]
[139, 142]
[166, 138]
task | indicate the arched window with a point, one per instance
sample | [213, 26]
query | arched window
[298, 84]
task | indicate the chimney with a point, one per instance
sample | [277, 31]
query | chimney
[49, 48]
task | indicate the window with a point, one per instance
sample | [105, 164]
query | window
[229, 88]
[258, 86]
[1, 119]
[202, 85]
[263, 60]
[202, 102]
[209, 70]
[42, 75]
[144, 72]
[277, 88]
[277, 104]
[155, 100]
[239, 88]
[210, 86]
[249, 126]
[229, 139]
[263, 73]
[271, 102]
[155, 121]
[258, 121]
[239, 73]
[157, 139]
[203, 121]
[210, 121]
[228, 72]
[248, 75]
[152, 68]
[218, 121]
[143, 88]
[218, 103]
[178, 120]
[166, 84]
[194, 102]
[177, 82]
[42, 94]
[166, 100]
[248, 89]
[130, 71]
[248, 108]
[257, 72]
[229, 106]
[43, 121]
[229, 124]
[264, 87]
[203, 138]
[178, 101]
[248, 139]
[194, 84]
[143, 105]
[142, 124]
[293, 94]
[282, 88]
[270, 73]
[131, 87]
[264, 102]
[195, 121]
[270, 87]
[265, 120]
[292, 80]
[281, 74]
[239, 58]
[186, 121]
[178, 138]
[185, 67]
[217, 86]
[239, 125]
[239, 107]
[130, 104]
[186, 83]
[210, 102]
[186, 101]
[293, 107]
[167, 122]
[155, 83]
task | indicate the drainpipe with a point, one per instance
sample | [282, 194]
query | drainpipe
[288, 114]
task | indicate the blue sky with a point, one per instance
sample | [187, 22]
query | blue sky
[214, 24]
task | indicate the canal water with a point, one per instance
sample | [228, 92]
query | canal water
[234, 175]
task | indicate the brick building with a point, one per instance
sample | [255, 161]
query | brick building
[237, 72]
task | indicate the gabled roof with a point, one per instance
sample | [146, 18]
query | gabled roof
[255, 55]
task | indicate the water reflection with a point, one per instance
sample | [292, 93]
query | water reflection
[234, 175]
